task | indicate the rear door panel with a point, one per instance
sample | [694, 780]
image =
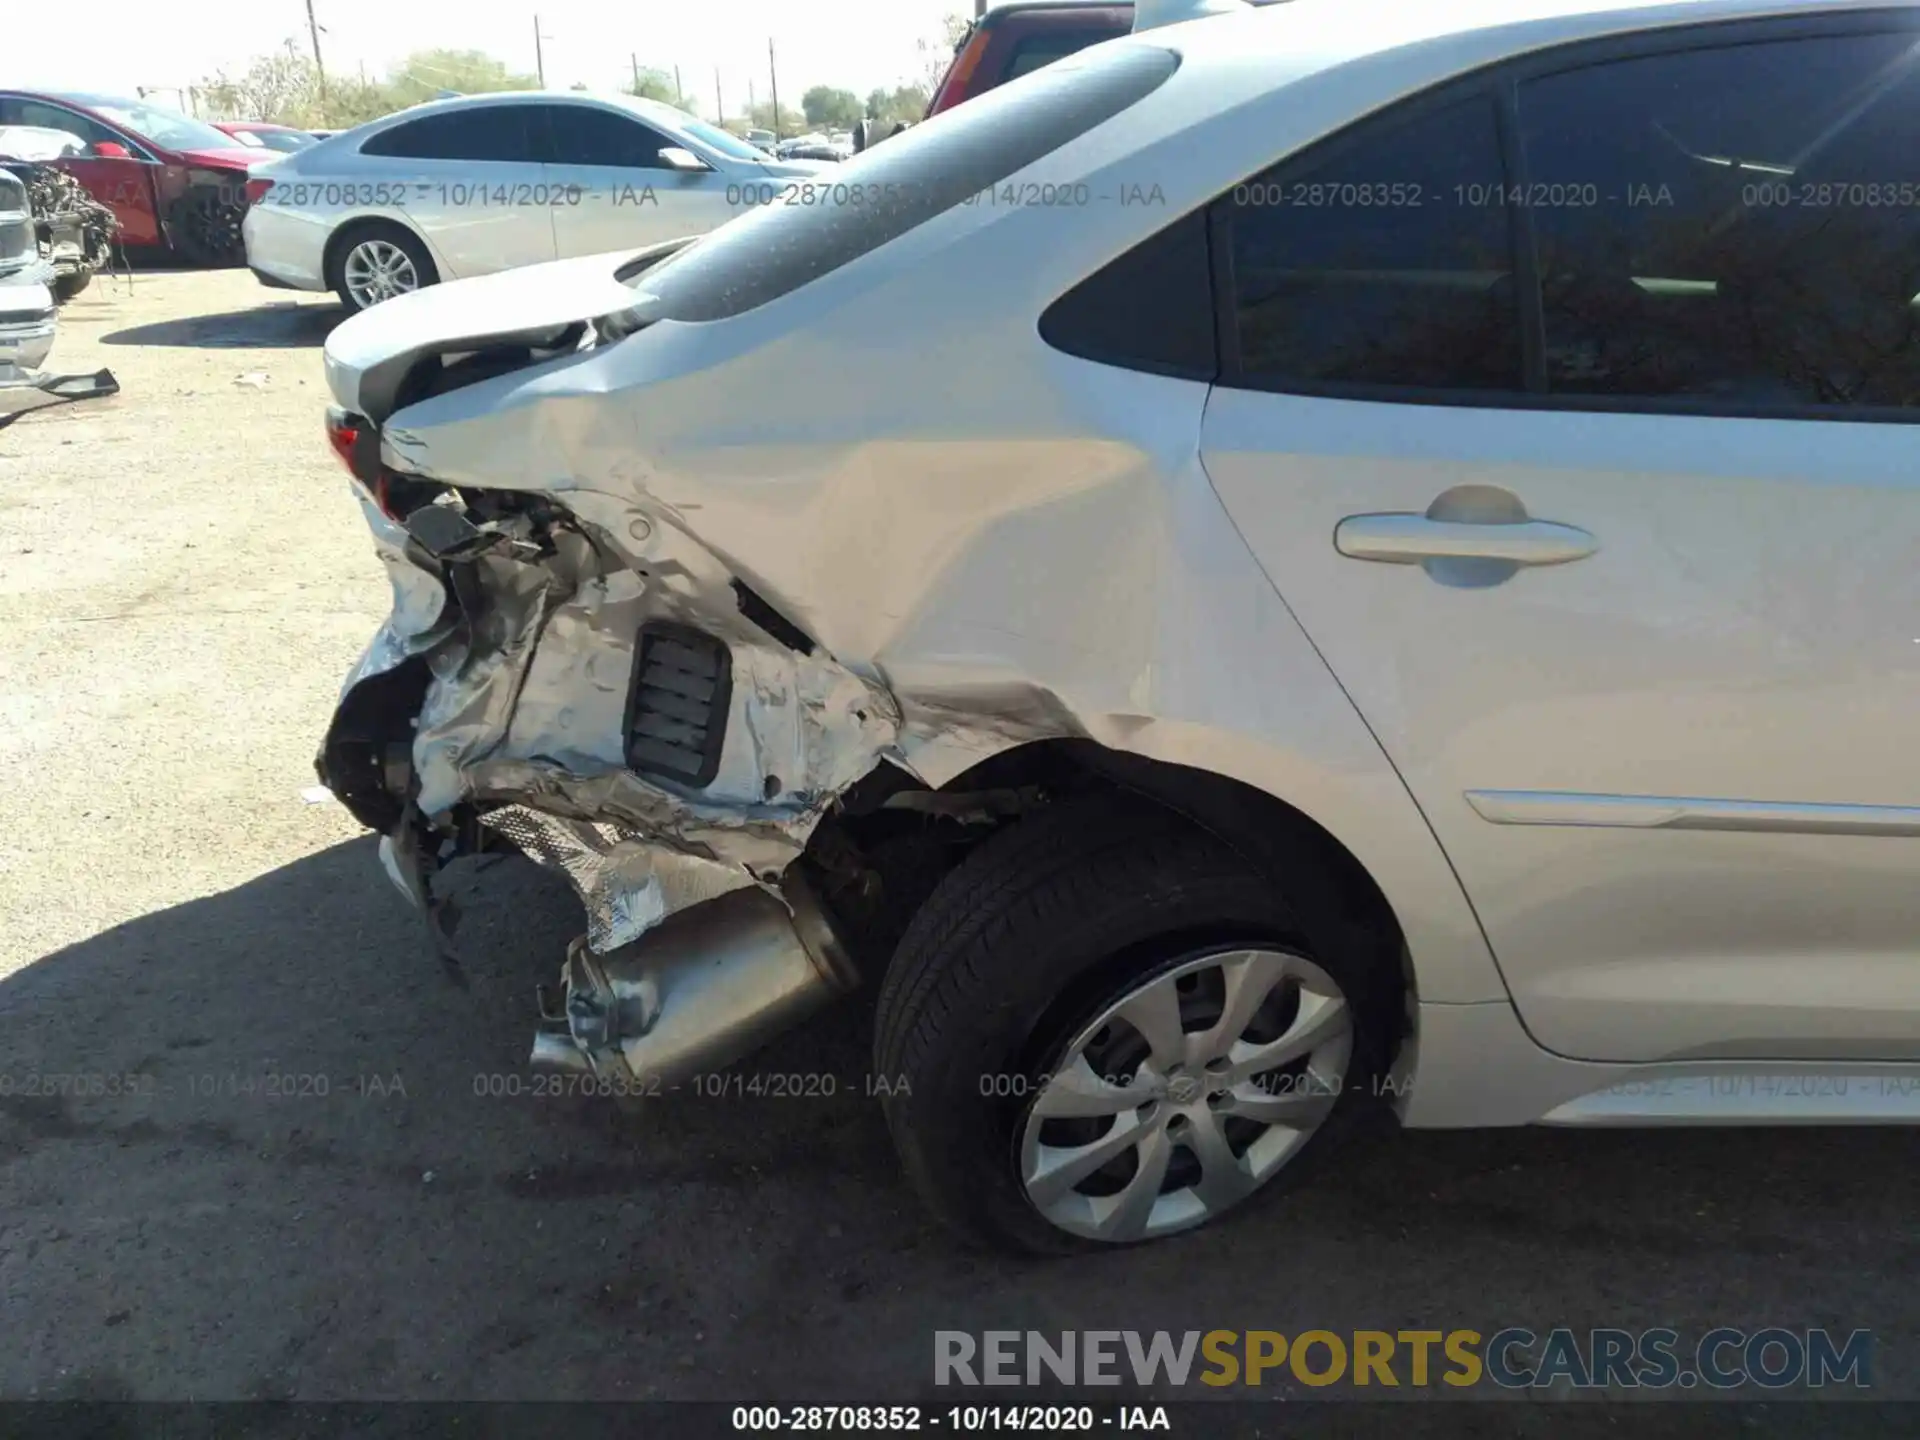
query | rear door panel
[1674, 773]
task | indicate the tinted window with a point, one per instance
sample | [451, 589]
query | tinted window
[582, 135]
[1152, 309]
[1380, 258]
[902, 184]
[1739, 224]
[54, 117]
[481, 132]
[1030, 55]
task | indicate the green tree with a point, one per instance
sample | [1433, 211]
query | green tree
[903, 102]
[828, 108]
[279, 89]
[653, 84]
[424, 74]
[351, 102]
[760, 117]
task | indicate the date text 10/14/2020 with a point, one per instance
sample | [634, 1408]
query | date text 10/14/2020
[962, 1419]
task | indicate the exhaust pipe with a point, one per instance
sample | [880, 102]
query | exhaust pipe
[711, 985]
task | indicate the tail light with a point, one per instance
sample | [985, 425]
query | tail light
[257, 190]
[356, 441]
[344, 434]
[966, 60]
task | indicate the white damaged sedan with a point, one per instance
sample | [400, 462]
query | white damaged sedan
[1272, 565]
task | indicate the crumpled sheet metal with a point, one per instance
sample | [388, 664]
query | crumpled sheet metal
[530, 713]
[627, 882]
[422, 614]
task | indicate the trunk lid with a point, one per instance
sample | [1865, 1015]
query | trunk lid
[370, 356]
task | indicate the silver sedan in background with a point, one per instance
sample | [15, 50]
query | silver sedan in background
[482, 183]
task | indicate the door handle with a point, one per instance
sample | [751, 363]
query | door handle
[1407, 539]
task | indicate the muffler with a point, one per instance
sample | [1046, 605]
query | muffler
[710, 985]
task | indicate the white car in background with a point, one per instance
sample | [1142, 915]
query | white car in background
[481, 183]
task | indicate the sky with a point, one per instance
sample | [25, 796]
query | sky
[123, 44]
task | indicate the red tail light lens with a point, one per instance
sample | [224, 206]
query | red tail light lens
[257, 190]
[953, 89]
[343, 434]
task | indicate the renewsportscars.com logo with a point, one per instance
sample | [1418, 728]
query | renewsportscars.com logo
[1774, 1358]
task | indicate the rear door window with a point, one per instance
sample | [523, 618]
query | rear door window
[499, 133]
[1043, 50]
[1750, 232]
[1379, 258]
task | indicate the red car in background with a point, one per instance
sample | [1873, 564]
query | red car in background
[260, 134]
[173, 182]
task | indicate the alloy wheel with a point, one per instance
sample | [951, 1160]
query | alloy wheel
[377, 270]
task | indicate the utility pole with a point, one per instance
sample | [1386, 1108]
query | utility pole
[319, 68]
[773, 74]
[753, 101]
[539, 56]
[635, 58]
[679, 95]
[719, 103]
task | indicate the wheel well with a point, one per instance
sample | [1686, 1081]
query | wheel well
[335, 254]
[1276, 838]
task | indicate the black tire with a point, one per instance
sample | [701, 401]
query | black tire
[1034, 934]
[65, 287]
[203, 228]
[398, 235]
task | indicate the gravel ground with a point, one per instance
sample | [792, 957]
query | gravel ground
[183, 582]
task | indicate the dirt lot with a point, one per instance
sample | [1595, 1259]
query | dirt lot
[183, 581]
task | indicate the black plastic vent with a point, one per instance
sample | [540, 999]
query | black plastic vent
[677, 712]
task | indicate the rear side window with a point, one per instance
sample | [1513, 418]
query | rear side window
[1749, 225]
[1031, 55]
[1152, 309]
[898, 185]
[583, 135]
[481, 132]
[1382, 257]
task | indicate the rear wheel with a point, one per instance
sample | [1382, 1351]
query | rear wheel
[378, 261]
[1105, 1026]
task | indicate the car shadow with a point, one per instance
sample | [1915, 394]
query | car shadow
[285, 326]
[265, 1145]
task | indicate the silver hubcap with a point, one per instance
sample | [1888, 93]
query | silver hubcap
[1186, 1095]
[378, 270]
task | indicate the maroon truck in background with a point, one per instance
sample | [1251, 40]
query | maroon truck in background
[1009, 41]
[174, 183]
